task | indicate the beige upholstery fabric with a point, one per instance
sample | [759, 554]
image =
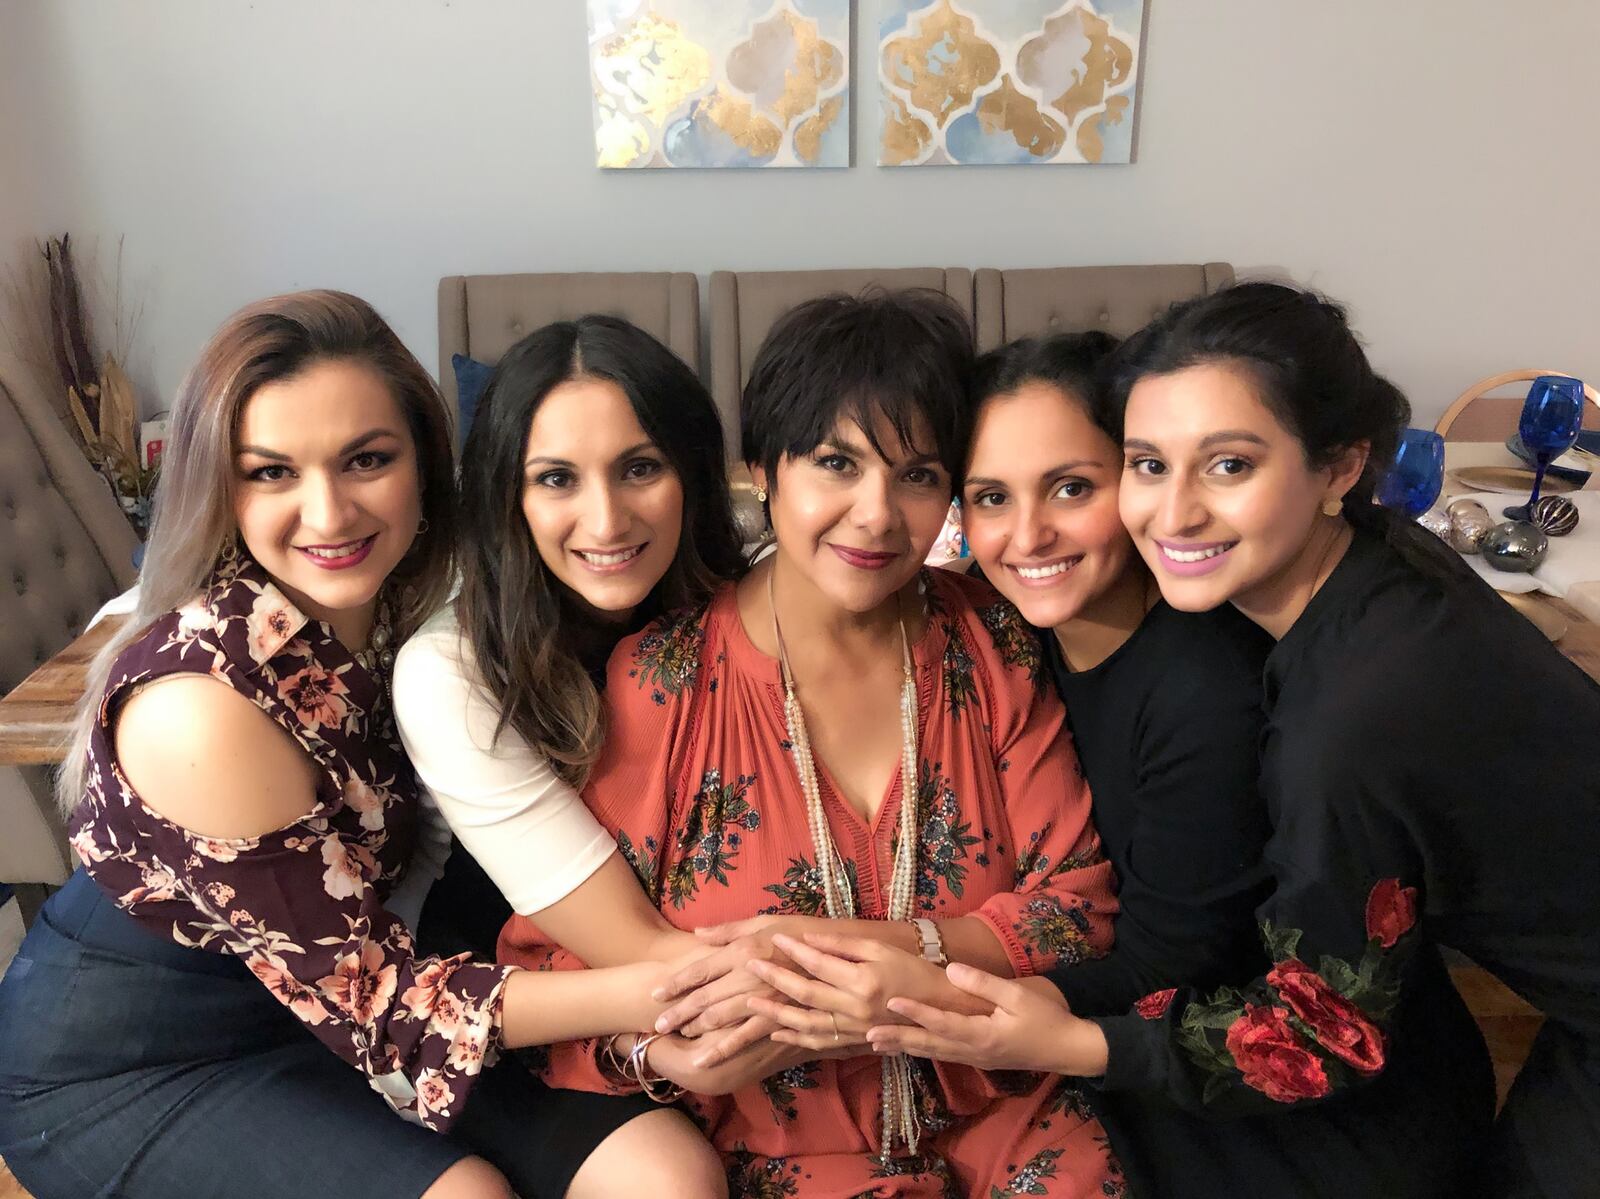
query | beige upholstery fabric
[1118, 299]
[745, 304]
[64, 550]
[483, 316]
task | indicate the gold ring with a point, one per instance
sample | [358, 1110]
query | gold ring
[835, 1021]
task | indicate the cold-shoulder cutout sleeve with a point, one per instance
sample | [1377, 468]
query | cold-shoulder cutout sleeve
[301, 906]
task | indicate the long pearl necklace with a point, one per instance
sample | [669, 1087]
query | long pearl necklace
[900, 1122]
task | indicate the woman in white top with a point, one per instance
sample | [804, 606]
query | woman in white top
[594, 498]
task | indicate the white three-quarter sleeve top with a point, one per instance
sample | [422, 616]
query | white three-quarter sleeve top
[527, 828]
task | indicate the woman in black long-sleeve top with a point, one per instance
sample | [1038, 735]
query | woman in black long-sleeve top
[1428, 762]
[1165, 711]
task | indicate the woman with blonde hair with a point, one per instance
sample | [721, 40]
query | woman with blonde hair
[243, 809]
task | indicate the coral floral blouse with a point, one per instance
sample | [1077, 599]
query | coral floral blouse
[698, 785]
[303, 906]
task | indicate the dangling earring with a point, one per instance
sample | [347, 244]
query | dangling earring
[422, 526]
[1332, 506]
[760, 493]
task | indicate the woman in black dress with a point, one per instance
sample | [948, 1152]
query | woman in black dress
[1426, 762]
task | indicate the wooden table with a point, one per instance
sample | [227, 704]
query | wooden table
[36, 718]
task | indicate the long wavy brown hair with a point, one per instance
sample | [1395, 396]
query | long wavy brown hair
[531, 645]
[267, 342]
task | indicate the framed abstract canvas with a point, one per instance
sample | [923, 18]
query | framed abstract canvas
[720, 83]
[1009, 81]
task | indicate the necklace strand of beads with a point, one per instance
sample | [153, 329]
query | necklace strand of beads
[900, 1121]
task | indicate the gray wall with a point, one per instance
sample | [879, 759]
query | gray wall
[1435, 163]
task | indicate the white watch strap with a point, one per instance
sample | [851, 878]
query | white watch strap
[930, 942]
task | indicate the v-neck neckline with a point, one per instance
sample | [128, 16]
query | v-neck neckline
[927, 652]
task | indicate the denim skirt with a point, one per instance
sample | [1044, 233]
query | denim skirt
[131, 1066]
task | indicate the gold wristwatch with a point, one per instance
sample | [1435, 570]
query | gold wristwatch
[929, 940]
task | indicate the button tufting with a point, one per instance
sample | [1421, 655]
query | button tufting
[20, 583]
[1105, 317]
[1054, 320]
[10, 507]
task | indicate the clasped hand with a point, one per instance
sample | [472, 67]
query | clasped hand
[790, 979]
[769, 998]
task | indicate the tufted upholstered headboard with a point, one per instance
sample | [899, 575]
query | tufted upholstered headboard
[483, 316]
[65, 547]
[1118, 299]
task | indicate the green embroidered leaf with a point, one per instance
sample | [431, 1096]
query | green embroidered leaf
[1281, 943]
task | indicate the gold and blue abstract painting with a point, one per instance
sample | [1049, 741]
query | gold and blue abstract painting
[1009, 81]
[720, 83]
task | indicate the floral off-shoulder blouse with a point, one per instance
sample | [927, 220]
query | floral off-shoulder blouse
[302, 906]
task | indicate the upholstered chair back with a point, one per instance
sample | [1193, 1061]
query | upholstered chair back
[1116, 299]
[483, 316]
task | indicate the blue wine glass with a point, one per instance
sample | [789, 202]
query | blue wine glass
[1414, 480]
[1551, 418]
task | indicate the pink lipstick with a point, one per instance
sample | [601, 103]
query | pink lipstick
[338, 557]
[863, 559]
[1193, 558]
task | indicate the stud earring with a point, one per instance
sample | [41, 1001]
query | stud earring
[760, 493]
[1332, 506]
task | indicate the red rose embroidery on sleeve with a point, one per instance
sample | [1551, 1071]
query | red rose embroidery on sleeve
[1339, 1025]
[1155, 1005]
[1272, 1057]
[1391, 911]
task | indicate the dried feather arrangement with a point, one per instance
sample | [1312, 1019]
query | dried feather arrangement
[47, 326]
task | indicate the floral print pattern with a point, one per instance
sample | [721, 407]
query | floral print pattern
[699, 787]
[1154, 1005]
[781, 1088]
[1053, 932]
[302, 906]
[711, 837]
[946, 838]
[1304, 1032]
[668, 656]
[1014, 640]
[800, 891]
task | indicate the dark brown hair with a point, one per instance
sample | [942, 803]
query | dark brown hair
[904, 355]
[527, 637]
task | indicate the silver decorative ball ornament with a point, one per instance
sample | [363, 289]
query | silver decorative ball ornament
[1515, 546]
[1437, 523]
[1556, 515]
[1470, 523]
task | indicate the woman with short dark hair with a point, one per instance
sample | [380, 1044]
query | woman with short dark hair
[845, 741]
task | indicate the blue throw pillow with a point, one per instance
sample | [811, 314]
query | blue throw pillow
[472, 377]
